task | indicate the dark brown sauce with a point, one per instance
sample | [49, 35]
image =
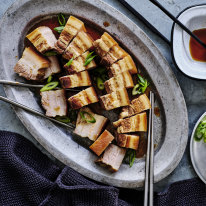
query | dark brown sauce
[157, 111]
[106, 24]
[142, 148]
[197, 51]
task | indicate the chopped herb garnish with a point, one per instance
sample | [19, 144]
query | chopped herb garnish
[61, 19]
[91, 119]
[89, 58]
[131, 154]
[49, 79]
[63, 119]
[50, 53]
[200, 132]
[49, 86]
[141, 86]
[70, 62]
[59, 29]
[100, 83]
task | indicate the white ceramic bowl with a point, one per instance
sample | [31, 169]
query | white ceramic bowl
[194, 18]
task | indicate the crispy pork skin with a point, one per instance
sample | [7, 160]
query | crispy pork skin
[54, 67]
[112, 157]
[137, 105]
[77, 64]
[83, 98]
[32, 65]
[102, 142]
[76, 80]
[118, 98]
[71, 29]
[43, 39]
[128, 141]
[121, 80]
[137, 123]
[90, 130]
[81, 43]
[115, 53]
[125, 64]
[54, 102]
[104, 44]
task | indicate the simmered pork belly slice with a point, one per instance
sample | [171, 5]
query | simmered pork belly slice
[32, 65]
[115, 53]
[81, 43]
[112, 157]
[125, 64]
[77, 64]
[42, 38]
[76, 80]
[121, 80]
[136, 106]
[72, 27]
[54, 67]
[90, 130]
[137, 123]
[104, 44]
[118, 98]
[128, 141]
[54, 102]
[102, 142]
[83, 98]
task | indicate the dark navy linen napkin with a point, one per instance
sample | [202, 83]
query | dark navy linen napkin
[28, 177]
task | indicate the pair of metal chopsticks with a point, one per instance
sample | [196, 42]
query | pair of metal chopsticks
[149, 166]
[16, 104]
[150, 26]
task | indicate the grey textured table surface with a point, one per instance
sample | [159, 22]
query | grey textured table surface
[194, 90]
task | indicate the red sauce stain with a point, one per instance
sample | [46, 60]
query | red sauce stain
[197, 51]
[93, 32]
[106, 24]
[157, 111]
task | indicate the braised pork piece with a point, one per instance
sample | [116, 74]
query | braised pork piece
[76, 58]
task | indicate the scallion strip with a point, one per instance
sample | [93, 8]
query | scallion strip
[49, 79]
[135, 90]
[49, 86]
[63, 22]
[63, 119]
[87, 61]
[50, 53]
[91, 118]
[59, 29]
[70, 62]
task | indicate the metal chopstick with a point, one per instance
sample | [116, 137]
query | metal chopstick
[19, 84]
[156, 3]
[70, 126]
[149, 165]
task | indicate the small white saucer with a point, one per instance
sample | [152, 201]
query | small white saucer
[198, 153]
[194, 18]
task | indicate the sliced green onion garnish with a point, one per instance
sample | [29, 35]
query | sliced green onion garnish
[63, 119]
[100, 83]
[49, 79]
[63, 21]
[91, 119]
[87, 61]
[89, 55]
[50, 53]
[70, 62]
[49, 86]
[200, 132]
[135, 90]
[141, 79]
[131, 154]
[59, 29]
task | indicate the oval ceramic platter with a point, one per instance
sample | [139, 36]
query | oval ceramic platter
[171, 128]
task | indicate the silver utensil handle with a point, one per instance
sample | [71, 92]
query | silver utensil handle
[70, 126]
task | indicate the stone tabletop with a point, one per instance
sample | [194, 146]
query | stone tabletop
[194, 90]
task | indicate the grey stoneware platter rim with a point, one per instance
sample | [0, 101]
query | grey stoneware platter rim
[198, 153]
[173, 126]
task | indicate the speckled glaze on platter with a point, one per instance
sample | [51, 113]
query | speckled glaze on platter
[171, 130]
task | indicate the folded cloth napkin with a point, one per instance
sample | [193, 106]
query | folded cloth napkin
[28, 177]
